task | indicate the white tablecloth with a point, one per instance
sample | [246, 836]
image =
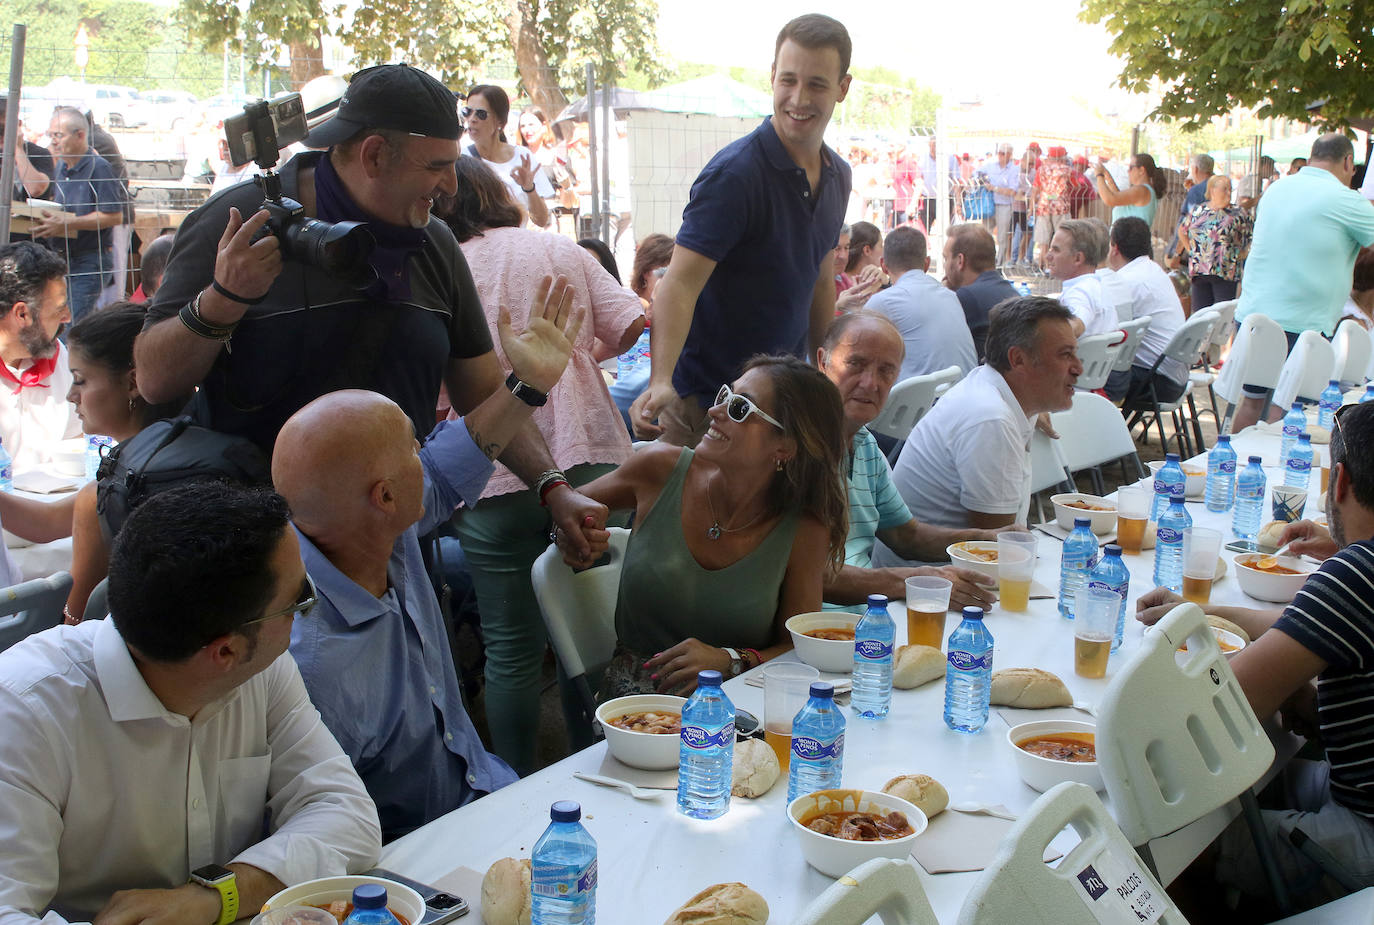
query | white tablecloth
[651, 859]
[39, 560]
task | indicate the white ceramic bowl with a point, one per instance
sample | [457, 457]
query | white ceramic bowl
[69, 458]
[959, 554]
[823, 654]
[1103, 521]
[1227, 641]
[1269, 586]
[399, 897]
[1194, 478]
[835, 857]
[648, 751]
[1044, 773]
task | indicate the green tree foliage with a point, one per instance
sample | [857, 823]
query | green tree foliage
[1211, 56]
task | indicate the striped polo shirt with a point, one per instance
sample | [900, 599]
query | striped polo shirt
[1333, 616]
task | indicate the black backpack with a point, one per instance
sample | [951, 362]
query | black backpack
[167, 453]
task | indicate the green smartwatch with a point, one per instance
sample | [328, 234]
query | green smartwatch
[222, 881]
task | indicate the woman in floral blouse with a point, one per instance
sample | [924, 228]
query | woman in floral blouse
[1218, 236]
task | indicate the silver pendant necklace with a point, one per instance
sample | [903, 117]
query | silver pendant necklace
[716, 531]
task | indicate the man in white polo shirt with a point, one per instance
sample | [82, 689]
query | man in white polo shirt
[1074, 253]
[1154, 297]
[967, 463]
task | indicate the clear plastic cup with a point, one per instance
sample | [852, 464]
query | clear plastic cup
[1201, 549]
[1094, 611]
[786, 685]
[927, 605]
[1015, 566]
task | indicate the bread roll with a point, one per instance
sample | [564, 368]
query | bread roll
[755, 769]
[506, 892]
[916, 665]
[1029, 689]
[927, 793]
[1270, 534]
[1320, 435]
[1222, 623]
[722, 904]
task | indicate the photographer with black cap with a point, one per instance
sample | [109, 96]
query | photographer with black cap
[263, 334]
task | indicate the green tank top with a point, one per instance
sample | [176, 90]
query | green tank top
[1146, 211]
[666, 596]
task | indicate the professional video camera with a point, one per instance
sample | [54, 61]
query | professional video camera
[257, 134]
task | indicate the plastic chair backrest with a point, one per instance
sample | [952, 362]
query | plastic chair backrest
[1226, 322]
[98, 604]
[1047, 463]
[1306, 371]
[1176, 737]
[909, 401]
[1135, 330]
[1353, 352]
[883, 887]
[1091, 432]
[1256, 357]
[579, 607]
[1187, 342]
[1098, 353]
[32, 606]
[1019, 887]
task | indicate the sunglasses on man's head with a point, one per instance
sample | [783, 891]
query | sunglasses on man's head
[305, 602]
[739, 407]
[479, 114]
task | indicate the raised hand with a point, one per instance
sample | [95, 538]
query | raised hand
[539, 354]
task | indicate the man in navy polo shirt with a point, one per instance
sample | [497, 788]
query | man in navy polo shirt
[94, 204]
[751, 272]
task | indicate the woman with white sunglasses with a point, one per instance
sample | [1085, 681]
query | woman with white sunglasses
[732, 538]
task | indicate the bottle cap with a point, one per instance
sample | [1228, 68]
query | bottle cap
[1336, 383]
[1112, 549]
[565, 811]
[1224, 438]
[1304, 435]
[1171, 457]
[1082, 522]
[877, 600]
[369, 896]
[1297, 406]
[823, 689]
[708, 677]
[973, 613]
[1257, 460]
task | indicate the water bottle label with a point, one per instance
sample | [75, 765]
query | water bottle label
[6, 472]
[1299, 465]
[1169, 535]
[549, 880]
[874, 650]
[1161, 487]
[1227, 465]
[811, 749]
[1292, 430]
[967, 661]
[1250, 492]
[1106, 586]
[702, 739]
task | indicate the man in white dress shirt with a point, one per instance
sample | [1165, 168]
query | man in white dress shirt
[967, 463]
[143, 751]
[34, 377]
[1151, 295]
[927, 315]
[1074, 253]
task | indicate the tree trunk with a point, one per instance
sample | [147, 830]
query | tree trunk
[539, 80]
[307, 60]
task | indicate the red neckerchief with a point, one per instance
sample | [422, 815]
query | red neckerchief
[35, 376]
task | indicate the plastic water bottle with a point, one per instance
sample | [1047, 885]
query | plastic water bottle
[1221, 475]
[636, 358]
[1023, 288]
[1368, 393]
[1169, 546]
[1111, 574]
[1170, 482]
[707, 750]
[369, 906]
[94, 454]
[1080, 555]
[968, 673]
[1330, 399]
[1294, 423]
[6, 469]
[1250, 482]
[817, 744]
[563, 869]
[873, 639]
[1298, 472]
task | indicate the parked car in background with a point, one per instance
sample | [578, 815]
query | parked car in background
[169, 110]
[116, 107]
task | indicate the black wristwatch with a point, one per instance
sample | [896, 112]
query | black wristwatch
[526, 392]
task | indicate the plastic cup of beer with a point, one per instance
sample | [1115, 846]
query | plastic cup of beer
[1015, 565]
[1201, 547]
[1094, 622]
[786, 686]
[1132, 512]
[927, 603]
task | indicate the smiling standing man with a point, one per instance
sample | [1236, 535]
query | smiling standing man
[751, 270]
[263, 336]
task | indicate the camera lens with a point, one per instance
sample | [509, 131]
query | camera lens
[341, 248]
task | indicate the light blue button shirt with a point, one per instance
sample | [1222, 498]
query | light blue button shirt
[1008, 177]
[874, 504]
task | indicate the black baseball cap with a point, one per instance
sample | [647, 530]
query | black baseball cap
[392, 96]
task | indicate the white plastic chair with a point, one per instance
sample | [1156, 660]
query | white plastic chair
[1199, 380]
[1185, 347]
[579, 612]
[1176, 740]
[883, 887]
[909, 401]
[1353, 353]
[1091, 433]
[1135, 330]
[1047, 469]
[1098, 353]
[1355, 909]
[1306, 371]
[1019, 887]
[1257, 355]
[32, 606]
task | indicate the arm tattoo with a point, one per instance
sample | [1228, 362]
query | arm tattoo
[490, 449]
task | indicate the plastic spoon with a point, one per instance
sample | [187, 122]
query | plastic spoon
[637, 792]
